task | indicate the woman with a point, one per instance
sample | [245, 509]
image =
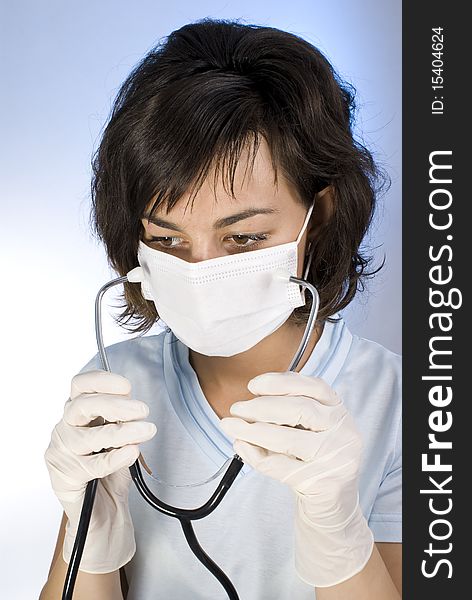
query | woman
[228, 158]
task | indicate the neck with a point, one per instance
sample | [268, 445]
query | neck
[224, 379]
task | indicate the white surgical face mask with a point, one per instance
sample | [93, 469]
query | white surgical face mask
[225, 305]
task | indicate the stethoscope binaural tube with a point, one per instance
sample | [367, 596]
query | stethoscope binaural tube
[184, 515]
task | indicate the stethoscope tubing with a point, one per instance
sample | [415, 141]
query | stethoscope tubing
[184, 515]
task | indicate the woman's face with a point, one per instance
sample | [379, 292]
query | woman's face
[263, 215]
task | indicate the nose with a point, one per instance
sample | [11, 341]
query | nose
[204, 250]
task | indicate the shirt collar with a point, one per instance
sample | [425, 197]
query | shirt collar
[193, 409]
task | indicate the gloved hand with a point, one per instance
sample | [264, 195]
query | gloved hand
[298, 431]
[71, 463]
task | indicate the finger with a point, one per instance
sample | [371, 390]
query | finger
[104, 382]
[291, 383]
[85, 440]
[278, 466]
[277, 438]
[295, 411]
[85, 408]
[101, 465]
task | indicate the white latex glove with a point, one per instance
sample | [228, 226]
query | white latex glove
[298, 431]
[110, 542]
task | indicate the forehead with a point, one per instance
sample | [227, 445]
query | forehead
[255, 185]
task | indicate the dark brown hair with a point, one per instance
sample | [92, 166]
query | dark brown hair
[194, 102]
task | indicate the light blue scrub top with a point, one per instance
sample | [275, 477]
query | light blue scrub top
[250, 534]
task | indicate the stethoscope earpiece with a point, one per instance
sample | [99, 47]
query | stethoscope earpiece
[136, 275]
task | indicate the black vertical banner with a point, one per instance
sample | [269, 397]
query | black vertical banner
[437, 238]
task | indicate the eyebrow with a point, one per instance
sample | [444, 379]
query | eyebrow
[224, 222]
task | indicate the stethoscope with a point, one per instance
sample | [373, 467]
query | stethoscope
[184, 515]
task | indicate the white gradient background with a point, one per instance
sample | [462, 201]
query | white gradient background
[62, 64]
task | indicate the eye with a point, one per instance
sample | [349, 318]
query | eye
[164, 241]
[248, 240]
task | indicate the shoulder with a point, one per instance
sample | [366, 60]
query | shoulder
[370, 380]
[144, 351]
[370, 361]
[370, 385]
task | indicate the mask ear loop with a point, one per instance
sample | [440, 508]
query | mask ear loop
[305, 223]
[310, 256]
[308, 252]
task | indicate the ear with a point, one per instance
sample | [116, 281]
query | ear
[322, 212]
